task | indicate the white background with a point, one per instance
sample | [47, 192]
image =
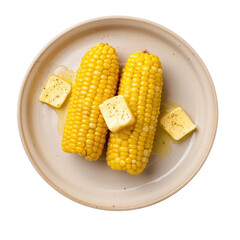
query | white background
[207, 208]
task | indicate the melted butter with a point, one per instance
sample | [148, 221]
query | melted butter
[167, 107]
[69, 76]
[62, 114]
[65, 74]
[162, 143]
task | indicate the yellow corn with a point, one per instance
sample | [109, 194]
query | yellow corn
[141, 85]
[96, 81]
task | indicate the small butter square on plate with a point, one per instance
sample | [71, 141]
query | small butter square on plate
[55, 91]
[177, 124]
[116, 113]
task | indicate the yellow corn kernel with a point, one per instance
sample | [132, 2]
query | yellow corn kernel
[84, 130]
[141, 85]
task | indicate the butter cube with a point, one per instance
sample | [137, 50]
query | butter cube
[116, 113]
[177, 123]
[55, 91]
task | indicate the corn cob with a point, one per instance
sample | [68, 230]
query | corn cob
[96, 81]
[141, 85]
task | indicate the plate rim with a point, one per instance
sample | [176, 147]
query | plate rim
[131, 206]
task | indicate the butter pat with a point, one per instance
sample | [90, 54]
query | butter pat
[177, 123]
[116, 113]
[55, 91]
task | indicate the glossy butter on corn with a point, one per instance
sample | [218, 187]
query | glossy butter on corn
[116, 113]
[141, 85]
[96, 81]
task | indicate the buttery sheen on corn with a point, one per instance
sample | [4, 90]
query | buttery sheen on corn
[141, 85]
[96, 81]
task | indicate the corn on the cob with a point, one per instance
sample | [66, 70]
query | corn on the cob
[96, 81]
[141, 85]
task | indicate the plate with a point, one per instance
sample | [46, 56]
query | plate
[186, 82]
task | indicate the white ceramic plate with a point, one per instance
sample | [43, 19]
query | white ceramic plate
[187, 82]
